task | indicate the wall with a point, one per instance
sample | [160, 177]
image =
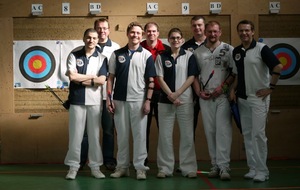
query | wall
[44, 140]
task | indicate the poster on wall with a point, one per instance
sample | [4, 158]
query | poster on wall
[40, 63]
[287, 51]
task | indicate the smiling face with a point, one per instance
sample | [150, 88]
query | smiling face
[245, 33]
[213, 33]
[102, 29]
[134, 35]
[151, 32]
[90, 39]
[175, 39]
[198, 27]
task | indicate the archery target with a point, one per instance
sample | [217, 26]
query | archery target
[289, 58]
[37, 64]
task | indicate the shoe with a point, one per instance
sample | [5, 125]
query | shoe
[141, 174]
[250, 174]
[98, 174]
[224, 175]
[214, 172]
[120, 172]
[260, 178]
[110, 166]
[192, 175]
[71, 174]
[161, 175]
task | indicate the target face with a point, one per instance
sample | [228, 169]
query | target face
[37, 64]
[289, 58]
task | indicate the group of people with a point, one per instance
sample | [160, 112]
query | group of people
[174, 81]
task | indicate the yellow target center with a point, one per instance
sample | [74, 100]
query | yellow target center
[37, 64]
[283, 61]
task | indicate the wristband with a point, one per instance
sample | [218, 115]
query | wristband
[92, 82]
[275, 73]
[148, 99]
[150, 88]
[80, 83]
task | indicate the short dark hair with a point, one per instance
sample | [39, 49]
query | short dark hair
[151, 23]
[197, 17]
[100, 20]
[89, 30]
[133, 24]
[211, 23]
[245, 22]
[175, 30]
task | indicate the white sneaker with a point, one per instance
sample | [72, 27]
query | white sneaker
[71, 174]
[120, 172]
[161, 175]
[98, 174]
[224, 175]
[192, 175]
[260, 178]
[141, 174]
[250, 174]
[214, 172]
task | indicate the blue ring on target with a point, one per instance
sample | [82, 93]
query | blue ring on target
[48, 63]
[289, 53]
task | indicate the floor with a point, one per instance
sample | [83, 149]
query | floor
[284, 174]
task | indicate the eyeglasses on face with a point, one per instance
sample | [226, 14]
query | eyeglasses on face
[175, 38]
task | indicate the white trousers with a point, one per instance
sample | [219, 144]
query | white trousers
[217, 125]
[79, 117]
[253, 112]
[129, 116]
[165, 151]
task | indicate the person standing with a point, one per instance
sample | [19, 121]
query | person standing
[176, 70]
[131, 72]
[197, 27]
[252, 88]
[156, 47]
[215, 63]
[106, 47]
[86, 69]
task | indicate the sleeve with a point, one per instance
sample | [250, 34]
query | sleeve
[150, 68]
[71, 63]
[158, 66]
[103, 70]
[269, 57]
[112, 63]
[192, 66]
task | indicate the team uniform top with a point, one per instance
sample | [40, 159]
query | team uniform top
[191, 45]
[175, 72]
[107, 49]
[132, 69]
[96, 64]
[220, 61]
[253, 65]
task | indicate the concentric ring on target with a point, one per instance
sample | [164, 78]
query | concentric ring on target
[37, 64]
[289, 58]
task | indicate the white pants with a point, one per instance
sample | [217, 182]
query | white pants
[79, 117]
[253, 112]
[129, 116]
[165, 152]
[218, 130]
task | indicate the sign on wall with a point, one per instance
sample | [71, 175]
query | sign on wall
[40, 63]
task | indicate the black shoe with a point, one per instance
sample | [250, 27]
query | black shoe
[110, 166]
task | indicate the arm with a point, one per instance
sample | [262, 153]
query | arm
[232, 96]
[146, 107]
[109, 103]
[275, 77]
[174, 96]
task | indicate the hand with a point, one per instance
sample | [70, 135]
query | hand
[110, 106]
[146, 107]
[177, 102]
[205, 95]
[232, 96]
[263, 93]
[217, 92]
[172, 96]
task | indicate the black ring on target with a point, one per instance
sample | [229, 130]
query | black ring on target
[289, 58]
[37, 64]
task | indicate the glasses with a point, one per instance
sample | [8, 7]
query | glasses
[175, 38]
[104, 28]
